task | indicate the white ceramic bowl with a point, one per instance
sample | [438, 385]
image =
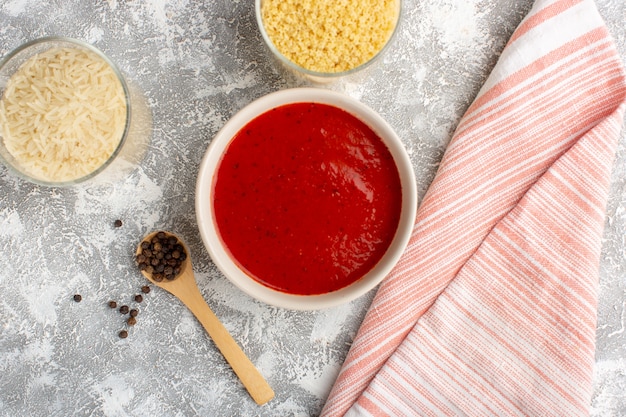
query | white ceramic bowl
[204, 198]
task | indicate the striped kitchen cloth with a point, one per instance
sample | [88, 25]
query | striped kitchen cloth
[491, 311]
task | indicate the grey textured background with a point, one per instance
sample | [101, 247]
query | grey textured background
[195, 64]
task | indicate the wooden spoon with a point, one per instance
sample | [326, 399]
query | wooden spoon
[184, 288]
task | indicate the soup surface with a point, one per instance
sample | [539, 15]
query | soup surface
[307, 198]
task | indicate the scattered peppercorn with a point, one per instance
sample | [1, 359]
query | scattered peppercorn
[77, 298]
[145, 289]
[161, 257]
[117, 223]
[124, 309]
[112, 304]
[123, 334]
[133, 312]
[138, 298]
[131, 321]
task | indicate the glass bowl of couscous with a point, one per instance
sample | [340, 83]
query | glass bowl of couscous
[327, 39]
[64, 111]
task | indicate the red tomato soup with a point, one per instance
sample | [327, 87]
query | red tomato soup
[307, 198]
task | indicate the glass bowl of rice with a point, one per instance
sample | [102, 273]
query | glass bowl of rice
[64, 111]
[324, 40]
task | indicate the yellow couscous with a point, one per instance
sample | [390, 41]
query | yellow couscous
[329, 35]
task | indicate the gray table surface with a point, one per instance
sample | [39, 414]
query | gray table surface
[195, 64]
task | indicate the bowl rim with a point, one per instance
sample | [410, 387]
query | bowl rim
[85, 45]
[204, 206]
[318, 75]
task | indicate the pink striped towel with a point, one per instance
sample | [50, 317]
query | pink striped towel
[492, 309]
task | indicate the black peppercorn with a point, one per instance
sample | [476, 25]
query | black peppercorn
[123, 334]
[77, 298]
[161, 257]
[138, 298]
[117, 223]
[112, 304]
[145, 289]
[133, 312]
[124, 309]
[131, 321]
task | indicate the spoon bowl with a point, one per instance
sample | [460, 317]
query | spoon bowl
[184, 287]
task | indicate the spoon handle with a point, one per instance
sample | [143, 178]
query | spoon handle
[257, 386]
